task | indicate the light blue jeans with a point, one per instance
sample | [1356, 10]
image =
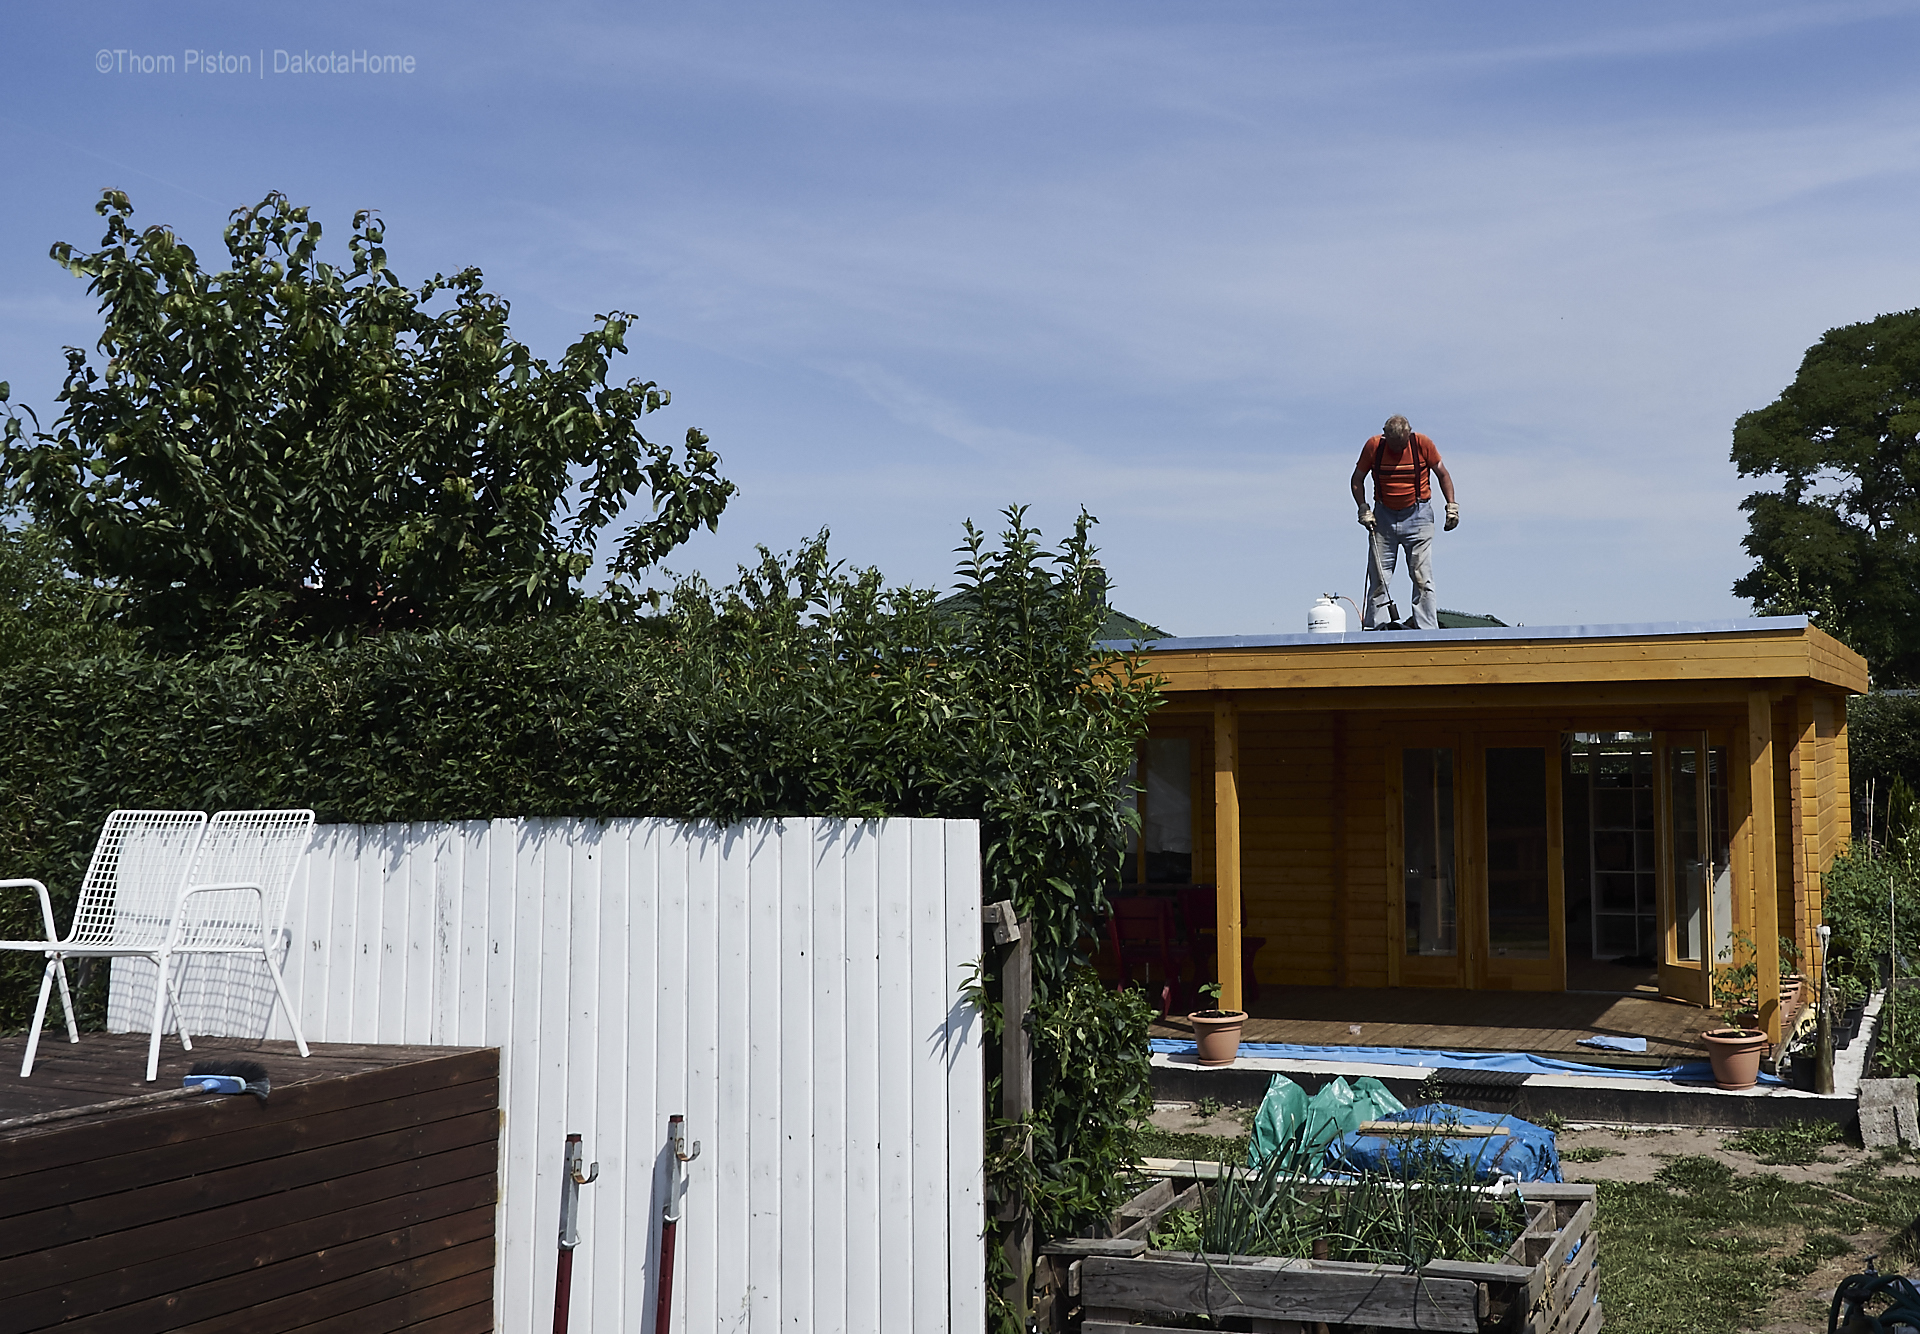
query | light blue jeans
[1411, 528]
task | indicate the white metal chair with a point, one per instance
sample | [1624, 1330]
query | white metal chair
[127, 901]
[167, 883]
[234, 903]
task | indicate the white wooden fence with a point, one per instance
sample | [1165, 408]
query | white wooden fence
[792, 987]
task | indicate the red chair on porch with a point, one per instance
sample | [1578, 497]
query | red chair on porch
[1144, 931]
[1200, 910]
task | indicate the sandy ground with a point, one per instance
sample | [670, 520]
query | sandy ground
[1636, 1156]
[1644, 1152]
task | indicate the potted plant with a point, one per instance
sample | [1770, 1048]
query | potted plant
[1734, 1049]
[1216, 1032]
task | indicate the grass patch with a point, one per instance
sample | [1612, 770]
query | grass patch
[1818, 1247]
[1588, 1153]
[1692, 1250]
[1795, 1143]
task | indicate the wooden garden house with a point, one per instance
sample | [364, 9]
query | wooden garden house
[1512, 808]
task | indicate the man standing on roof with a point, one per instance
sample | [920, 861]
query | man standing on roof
[1399, 459]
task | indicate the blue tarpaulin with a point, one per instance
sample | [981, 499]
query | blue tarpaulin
[1526, 1152]
[1689, 1072]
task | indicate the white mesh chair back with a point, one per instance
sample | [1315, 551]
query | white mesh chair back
[261, 848]
[134, 879]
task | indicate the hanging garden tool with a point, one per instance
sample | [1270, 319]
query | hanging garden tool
[571, 1179]
[670, 1216]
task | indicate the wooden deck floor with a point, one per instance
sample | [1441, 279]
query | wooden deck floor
[1547, 1023]
[104, 1066]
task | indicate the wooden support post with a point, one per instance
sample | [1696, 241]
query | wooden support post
[1764, 864]
[1016, 1086]
[1226, 847]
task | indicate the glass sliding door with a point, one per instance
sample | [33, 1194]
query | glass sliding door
[1430, 936]
[1518, 884]
[1520, 940]
[1697, 889]
[1622, 870]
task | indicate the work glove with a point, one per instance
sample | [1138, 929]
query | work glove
[1453, 517]
[1366, 518]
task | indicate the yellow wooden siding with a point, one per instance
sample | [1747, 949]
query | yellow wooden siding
[1296, 791]
[1842, 779]
[1287, 824]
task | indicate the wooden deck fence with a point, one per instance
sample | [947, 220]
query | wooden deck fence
[361, 1202]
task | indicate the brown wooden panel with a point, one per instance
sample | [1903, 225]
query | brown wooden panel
[119, 1231]
[315, 1286]
[280, 1241]
[242, 1143]
[462, 1305]
[42, 1147]
[350, 1296]
[113, 1211]
[1291, 1293]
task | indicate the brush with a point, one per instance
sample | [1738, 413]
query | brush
[224, 1077]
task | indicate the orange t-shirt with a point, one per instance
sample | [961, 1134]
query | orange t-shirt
[1399, 476]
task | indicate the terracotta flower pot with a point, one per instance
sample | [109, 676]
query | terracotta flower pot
[1735, 1055]
[1217, 1034]
[1791, 986]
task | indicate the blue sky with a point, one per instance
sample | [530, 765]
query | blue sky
[906, 264]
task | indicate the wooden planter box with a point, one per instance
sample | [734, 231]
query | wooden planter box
[1546, 1284]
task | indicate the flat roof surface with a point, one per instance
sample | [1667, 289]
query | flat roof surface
[1489, 634]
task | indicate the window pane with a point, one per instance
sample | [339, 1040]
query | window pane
[1428, 850]
[1689, 873]
[1612, 851]
[1168, 821]
[1517, 881]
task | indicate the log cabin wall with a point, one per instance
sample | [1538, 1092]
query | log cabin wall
[1317, 820]
[1311, 772]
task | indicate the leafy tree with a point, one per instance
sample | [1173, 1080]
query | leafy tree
[42, 600]
[1840, 539]
[288, 447]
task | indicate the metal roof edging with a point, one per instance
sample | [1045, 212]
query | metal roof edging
[1491, 634]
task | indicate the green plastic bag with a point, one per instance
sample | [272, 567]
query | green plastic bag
[1289, 1121]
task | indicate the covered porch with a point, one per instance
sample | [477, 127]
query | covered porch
[1599, 813]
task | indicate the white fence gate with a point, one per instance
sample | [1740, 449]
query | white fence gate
[792, 986]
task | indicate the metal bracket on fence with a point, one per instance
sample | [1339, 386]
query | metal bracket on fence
[570, 1185]
[1004, 921]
